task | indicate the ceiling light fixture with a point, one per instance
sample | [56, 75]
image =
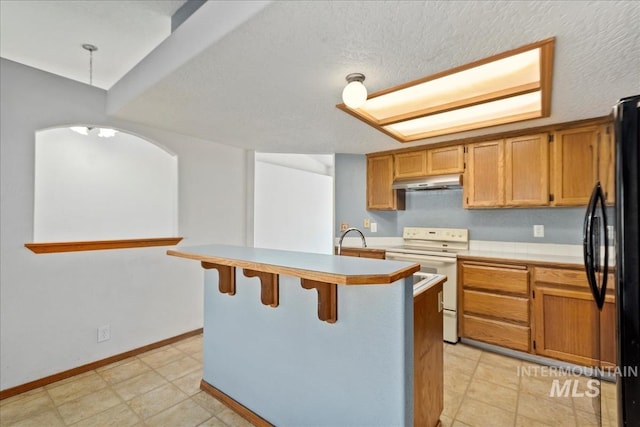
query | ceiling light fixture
[354, 94]
[505, 88]
[84, 130]
[102, 132]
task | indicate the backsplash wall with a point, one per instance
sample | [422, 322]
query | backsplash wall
[443, 208]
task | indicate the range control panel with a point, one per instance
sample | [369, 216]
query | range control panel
[437, 234]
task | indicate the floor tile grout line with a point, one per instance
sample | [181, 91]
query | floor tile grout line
[464, 394]
[515, 421]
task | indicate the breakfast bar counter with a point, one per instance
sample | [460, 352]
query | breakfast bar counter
[294, 339]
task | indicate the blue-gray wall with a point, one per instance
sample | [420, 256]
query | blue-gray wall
[443, 208]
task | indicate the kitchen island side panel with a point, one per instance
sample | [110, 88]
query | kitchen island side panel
[292, 369]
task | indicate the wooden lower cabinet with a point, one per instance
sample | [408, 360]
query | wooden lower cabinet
[428, 347]
[568, 325]
[361, 252]
[557, 318]
[495, 304]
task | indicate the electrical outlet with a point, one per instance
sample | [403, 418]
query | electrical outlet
[367, 222]
[538, 231]
[104, 333]
[344, 226]
[374, 227]
[611, 234]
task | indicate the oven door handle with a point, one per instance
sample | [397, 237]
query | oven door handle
[420, 258]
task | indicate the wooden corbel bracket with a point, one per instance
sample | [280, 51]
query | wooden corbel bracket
[327, 299]
[226, 277]
[269, 283]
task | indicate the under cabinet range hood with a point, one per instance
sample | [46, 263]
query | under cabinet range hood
[429, 183]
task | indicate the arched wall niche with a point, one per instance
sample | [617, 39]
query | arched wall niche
[90, 188]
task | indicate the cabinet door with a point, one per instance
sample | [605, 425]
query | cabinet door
[445, 160]
[380, 196]
[484, 180]
[607, 163]
[527, 171]
[411, 165]
[575, 165]
[567, 325]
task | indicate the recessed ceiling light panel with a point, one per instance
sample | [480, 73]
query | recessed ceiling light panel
[504, 88]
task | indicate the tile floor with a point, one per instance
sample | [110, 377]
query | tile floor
[486, 389]
[161, 388]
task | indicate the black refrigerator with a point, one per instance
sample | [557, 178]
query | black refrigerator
[598, 241]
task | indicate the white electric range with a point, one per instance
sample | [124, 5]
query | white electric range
[435, 249]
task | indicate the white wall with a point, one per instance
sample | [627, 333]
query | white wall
[93, 188]
[51, 305]
[293, 207]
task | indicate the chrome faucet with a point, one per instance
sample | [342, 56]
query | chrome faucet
[364, 242]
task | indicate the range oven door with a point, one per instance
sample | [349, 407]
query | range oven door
[438, 265]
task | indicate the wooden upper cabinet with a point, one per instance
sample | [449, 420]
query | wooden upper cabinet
[380, 196]
[445, 160]
[484, 179]
[607, 163]
[411, 165]
[575, 165]
[527, 170]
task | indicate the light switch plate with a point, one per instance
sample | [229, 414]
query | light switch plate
[374, 227]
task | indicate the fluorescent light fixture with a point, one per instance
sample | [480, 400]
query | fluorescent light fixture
[505, 88]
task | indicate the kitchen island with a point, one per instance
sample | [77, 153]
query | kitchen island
[294, 339]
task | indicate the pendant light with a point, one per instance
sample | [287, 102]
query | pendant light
[84, 130]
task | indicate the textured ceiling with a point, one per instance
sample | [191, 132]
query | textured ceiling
[272, 83]
[48, 34]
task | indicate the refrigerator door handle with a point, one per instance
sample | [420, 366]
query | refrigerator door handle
[591, 230]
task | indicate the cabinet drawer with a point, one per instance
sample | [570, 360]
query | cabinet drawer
[562, 276]
[496, 332]
[502, 306]
[501, 279]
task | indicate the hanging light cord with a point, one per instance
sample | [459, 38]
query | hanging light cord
[91, 48]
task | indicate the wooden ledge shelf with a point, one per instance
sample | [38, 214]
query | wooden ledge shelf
[96, 245]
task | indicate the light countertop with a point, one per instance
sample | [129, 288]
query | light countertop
[496, 256]
[328, 268]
